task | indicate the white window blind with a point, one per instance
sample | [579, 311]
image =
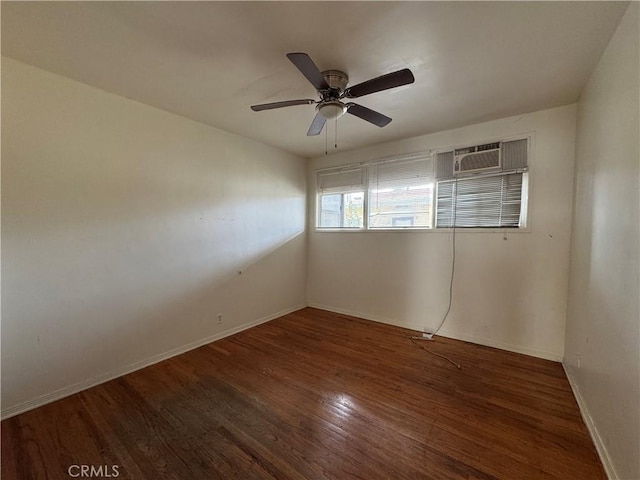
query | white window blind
[480, 201]
[341, 180]
[401, 193]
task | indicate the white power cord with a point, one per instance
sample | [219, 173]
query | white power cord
[430, 335]
[413, 340]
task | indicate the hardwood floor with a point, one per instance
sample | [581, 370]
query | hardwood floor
[315, 395]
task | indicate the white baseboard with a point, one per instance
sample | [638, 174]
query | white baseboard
[556, 357]
[119, 372]
[595, 436]
[532, 352]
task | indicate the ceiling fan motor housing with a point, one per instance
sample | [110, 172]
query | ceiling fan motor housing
[330, 107]
[336, 79]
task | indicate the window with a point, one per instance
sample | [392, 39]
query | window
[388, 194]
[481, 201]
[342, 210]
[341, 199]
[400, 194]
[482, 186]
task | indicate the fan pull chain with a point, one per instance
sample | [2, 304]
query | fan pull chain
[336, 135]
[326, 140]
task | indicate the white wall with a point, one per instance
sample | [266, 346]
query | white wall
[603, 326]
[515, 285]
[123, 229]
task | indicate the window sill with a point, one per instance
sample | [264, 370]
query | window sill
[459, 230]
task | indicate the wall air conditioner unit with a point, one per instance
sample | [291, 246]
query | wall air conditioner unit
[476, 159]
[479, 158]
[506, 155]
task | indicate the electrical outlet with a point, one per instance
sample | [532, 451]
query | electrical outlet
[219, 318]
[578, 361]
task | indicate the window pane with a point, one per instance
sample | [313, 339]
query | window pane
[353, 210]
[401, 207]
[330, 210]
[341, 210]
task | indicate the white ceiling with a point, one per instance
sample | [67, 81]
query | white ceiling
[209, 61]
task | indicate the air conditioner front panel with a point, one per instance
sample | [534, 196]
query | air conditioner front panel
[477, 161]
[486, 158]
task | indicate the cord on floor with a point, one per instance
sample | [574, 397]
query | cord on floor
[413, 340]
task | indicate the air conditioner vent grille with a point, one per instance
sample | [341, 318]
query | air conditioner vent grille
[444, 162]
[514, 154]
[488, 146]
[480, 160]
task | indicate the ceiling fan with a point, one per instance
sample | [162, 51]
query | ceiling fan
[332, 88]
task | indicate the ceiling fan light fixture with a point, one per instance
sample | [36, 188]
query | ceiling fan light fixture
[331, 86]
[332, 109]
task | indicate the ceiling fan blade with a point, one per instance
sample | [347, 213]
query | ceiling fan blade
[288, 103]
[367, 114]
[378, 84]
[308, 69]
[317, 125]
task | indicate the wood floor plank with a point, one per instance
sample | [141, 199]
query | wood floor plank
[316, 395]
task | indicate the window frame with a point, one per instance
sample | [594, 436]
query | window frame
[366, 187]
[403, 159]
[342, 190]
[523, 214]
[341, 227]
[525, 195]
